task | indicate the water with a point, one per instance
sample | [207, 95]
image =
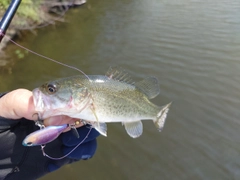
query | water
[191, 46]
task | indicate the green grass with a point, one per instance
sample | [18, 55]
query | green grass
[29, 12]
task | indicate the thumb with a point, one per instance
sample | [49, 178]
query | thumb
[18, 104]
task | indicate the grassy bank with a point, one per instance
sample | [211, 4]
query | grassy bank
[33, 14]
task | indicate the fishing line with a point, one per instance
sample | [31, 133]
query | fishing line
[48, 58]
[53, 158]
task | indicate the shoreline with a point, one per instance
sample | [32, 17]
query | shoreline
[32, 15]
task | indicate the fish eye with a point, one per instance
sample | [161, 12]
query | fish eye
[29, 143]
[51, 88]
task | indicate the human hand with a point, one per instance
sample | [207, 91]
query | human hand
[70, 143]
[19, 104]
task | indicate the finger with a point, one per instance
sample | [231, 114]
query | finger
[76, 124]
[59, 120]
[18, 104]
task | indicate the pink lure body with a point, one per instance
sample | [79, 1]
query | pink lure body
[44, 136]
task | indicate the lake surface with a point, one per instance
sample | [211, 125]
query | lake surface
[191, 46]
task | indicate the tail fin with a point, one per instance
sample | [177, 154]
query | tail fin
[161, 117]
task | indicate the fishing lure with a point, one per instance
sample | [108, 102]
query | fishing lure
[47, 134]
[44, 135]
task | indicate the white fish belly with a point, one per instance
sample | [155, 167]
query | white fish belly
[87, 114]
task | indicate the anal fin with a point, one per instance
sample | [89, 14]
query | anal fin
[134, 129]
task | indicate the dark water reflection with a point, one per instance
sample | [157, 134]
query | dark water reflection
[191, 46]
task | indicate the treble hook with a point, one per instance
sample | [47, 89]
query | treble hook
[39, 122]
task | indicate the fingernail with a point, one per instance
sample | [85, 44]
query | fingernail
[51, 120]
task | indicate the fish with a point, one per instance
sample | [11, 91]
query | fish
[101, 99]
[44, 136]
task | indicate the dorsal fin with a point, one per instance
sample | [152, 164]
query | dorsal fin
[119, 74]
[149, 86]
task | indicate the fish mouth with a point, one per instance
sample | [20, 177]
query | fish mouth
[39, 101]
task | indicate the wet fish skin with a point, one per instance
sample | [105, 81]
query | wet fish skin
[44, 136]
[111, 98]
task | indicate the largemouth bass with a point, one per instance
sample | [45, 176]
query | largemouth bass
[101, 99]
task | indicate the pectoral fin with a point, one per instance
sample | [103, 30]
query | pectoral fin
[134, 129]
